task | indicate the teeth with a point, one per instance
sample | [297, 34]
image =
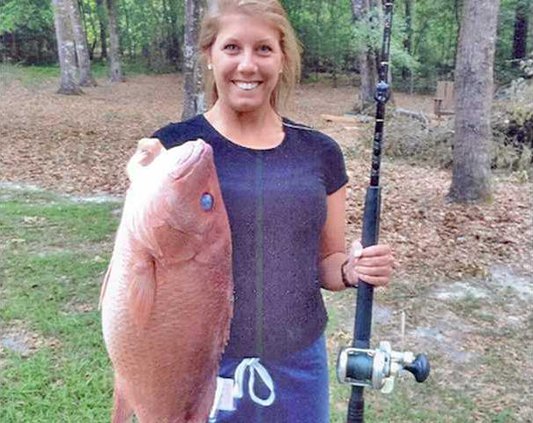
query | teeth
[247, 85]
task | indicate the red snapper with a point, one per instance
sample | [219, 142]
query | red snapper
[166, 300]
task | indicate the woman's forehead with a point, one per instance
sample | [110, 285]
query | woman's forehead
[242, 26]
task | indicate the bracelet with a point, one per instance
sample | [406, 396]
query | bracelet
[345, 281]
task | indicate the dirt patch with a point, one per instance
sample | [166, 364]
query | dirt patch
[19, 339]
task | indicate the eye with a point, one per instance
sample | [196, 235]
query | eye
[265, 48]
[207, 202]
[231, 47]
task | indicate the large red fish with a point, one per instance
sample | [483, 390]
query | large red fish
[167, 296]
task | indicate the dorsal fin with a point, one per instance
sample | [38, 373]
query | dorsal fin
[142, 290]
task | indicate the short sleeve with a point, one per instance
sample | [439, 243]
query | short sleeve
[169, 136]
[335, 175]
[179, 133]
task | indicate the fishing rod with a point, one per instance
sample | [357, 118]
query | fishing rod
[358, 365]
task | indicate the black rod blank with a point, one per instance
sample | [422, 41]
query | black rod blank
[371, 217]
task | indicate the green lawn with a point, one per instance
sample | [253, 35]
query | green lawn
[54, 254]
[33, 76]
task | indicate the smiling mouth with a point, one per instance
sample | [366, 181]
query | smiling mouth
[246, 86]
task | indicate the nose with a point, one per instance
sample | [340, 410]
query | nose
[247, 62]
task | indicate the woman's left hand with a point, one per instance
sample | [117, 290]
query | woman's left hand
[372, 264]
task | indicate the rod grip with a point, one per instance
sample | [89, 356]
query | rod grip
[356, 406]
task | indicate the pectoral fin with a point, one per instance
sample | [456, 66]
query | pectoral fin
[104, 284]
[142, 291]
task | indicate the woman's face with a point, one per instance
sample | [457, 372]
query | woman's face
[247, 60]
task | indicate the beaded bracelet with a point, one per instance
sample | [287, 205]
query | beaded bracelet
[345, 281]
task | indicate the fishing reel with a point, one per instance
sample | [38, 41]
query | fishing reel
[382, 93]
[377, 368]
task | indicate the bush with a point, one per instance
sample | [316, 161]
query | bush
[512, 128]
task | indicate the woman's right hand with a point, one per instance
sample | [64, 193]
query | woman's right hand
[147, 150]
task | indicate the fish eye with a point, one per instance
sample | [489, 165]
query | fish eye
[207, 202]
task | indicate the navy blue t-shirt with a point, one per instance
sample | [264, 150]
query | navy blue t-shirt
[276, 204]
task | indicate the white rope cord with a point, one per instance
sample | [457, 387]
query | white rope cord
[253, 366]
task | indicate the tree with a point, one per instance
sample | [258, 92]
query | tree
[194, 95]
[523, 11]
[65, 47]
[115, 69]
[365, 58]
[408, 41]
[82, 50]
[473, 102]
[103, 23]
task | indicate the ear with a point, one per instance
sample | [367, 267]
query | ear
[208, 57]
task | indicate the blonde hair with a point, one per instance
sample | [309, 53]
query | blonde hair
[272, 12]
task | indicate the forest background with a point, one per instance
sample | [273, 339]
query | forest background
[151, 34]
[464, 279]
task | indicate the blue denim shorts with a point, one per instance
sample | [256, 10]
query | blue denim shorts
[291, 390]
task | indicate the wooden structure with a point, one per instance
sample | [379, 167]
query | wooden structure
[443, 103]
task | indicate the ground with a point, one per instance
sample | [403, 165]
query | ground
[464, 276]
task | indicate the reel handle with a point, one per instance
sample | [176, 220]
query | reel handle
[420, 368]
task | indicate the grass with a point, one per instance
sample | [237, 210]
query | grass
[53, 252]
[34, 76]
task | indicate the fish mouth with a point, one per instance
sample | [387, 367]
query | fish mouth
[197, 151]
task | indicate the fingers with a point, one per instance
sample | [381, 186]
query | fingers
[147, 150]
[376, 250]
[373, 266]
[374, 256]
[375, 280]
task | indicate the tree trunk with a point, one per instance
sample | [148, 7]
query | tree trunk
[82, 51]
[13, 45]
[194, 95]
[408, 41]
[523, 11]
[131, 48]
[66, 50]
[100, 11]
[366, 59]
[473, 102]
[173, 42]
[115, 69]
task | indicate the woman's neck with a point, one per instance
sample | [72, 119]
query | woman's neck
[259, 129]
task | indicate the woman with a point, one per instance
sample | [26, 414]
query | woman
[284, 187]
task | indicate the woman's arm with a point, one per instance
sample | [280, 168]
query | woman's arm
[374, 265]
[332, 242]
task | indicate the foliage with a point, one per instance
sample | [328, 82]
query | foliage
[512, 130]
[152, 31]
[27, 27]
[29, 15]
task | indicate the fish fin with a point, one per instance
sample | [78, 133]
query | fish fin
[122, 410]
[142, 290]
[104, 284]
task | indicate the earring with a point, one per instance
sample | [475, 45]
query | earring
[209, 66]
